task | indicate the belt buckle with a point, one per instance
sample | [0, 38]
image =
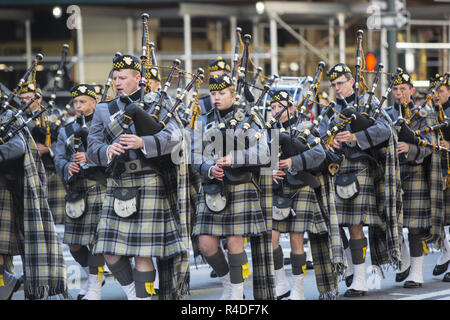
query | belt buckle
[133, 166]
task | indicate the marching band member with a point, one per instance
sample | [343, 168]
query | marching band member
[228, 207]
[85, 195]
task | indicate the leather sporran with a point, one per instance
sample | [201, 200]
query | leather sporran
[282, 208]
[216, 197]
[76, 204]
[347, 186]
[126, 201]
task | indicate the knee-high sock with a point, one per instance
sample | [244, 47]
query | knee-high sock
[278, 258]
[237, 261]
[218, 262]
[122, 271]
[81, 256]
[143, 281]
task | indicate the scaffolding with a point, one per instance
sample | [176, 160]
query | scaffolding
[296, 18]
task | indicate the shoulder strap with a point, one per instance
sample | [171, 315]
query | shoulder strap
[113, 107]
[69, 129]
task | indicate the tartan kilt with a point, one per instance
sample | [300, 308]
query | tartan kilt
[308, 215]
[416, 197]
[56, 193]
[447, 206]
[150, 232]
[363, 209]
[243, 215]
[82, 231]
[9, 240]
[195, 182]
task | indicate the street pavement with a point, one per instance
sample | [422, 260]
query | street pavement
[203, 287]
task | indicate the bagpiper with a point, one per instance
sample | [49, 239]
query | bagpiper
[45, 134]
[415, 186]
[234, 197]
[441, 103]
[140, 217]
[358, 181]
[86, 185]
[300, 193]
[27, 226]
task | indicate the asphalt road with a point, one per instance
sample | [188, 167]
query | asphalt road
[203, 287]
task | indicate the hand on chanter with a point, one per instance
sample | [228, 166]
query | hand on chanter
[278, 175]
[73, 168]
[131, 141]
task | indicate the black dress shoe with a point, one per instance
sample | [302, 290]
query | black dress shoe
[309, 265]
[440, 268]
[348, 280]
[411, 285]
[351, 293]
[284, 295]
[401, 276]
[446, 277]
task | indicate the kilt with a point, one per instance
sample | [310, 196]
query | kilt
[82, 231]
[308, 216]
[326, 277]
[447, 206]
[363, 208]
[195, 181]
[416, 197]
[56, 193]
[9, 241]
[150, 232]
[243, 215]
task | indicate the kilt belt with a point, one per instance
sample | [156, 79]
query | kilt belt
[139, 165]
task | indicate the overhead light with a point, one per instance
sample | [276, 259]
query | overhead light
[57, 12]
[294, 66]
[2, 66]
[260, 7]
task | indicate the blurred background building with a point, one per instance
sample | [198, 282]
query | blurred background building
[288, 37]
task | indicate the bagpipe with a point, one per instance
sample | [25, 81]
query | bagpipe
[9, 134]
[5, 126]
[22, 80]
[403, 124]
[46, 126]
[295, 141]
[109, 80]
[86, 172]
[357, 121]
[56, 115]
[352, 114]
[80, 139]
[8, 130]
[146, 115]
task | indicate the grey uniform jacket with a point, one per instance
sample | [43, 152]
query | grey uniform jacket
[15, 147]
[157, 145]
[374, 135]
[309, 159]
[416, 154]
[65, 150]
[202, 161]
